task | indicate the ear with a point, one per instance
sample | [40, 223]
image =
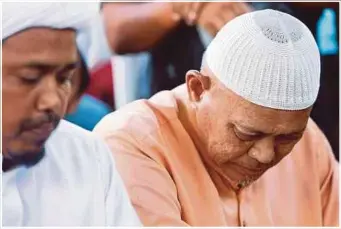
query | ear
[196, 83]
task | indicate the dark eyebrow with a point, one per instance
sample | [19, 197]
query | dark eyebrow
[44, 66]
[70, 66]
[250, 129]
[257, 132]
[297, 132]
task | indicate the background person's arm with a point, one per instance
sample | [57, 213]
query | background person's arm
[216, 14]
[136, 27]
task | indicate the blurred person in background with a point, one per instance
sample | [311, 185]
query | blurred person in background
[155, 43]
[234, 145]
[102, 83]
[322, 18]
[95, 51]
[160, 41]
[53, 172]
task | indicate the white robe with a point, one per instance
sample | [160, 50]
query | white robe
[75, 184]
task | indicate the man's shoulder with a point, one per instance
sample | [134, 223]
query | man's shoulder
[305, 167]
[67, 132]
[68, 129]
[71, 139]
[312, 137]
[313, 148]
[139, 118]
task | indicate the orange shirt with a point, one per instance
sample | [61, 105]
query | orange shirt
[169, 185]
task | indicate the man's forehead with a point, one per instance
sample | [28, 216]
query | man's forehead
[251, 126]
[267, 120]
[40, 36]
[41, 45]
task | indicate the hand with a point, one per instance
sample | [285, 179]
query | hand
[216, 14]
[188, 11]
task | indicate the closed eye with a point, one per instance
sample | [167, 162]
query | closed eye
[30, 77]
[246, 136]
[288, 139]
[66, 76]
[30, 80]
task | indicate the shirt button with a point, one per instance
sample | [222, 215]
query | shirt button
[244, 223]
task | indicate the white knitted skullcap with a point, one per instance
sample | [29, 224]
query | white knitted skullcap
[83, 17]
[269, 58]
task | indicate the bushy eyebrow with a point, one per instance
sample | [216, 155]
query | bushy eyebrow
[46, 66]
[250, 130]
[253, 131]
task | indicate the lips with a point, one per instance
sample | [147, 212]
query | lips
[251, 169]
[43, 131]
[254, 172]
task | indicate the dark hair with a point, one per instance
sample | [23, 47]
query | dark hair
[84, 77]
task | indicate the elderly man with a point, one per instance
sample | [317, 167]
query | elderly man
[234, 145]
[53, 173]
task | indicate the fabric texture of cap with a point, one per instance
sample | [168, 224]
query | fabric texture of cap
[18, 16]
[269, 58]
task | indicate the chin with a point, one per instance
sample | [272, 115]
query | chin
[240, 178]
[29, 155]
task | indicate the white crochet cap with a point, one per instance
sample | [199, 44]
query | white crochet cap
[269, 58]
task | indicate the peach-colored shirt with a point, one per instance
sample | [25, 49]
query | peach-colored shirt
[169, 185]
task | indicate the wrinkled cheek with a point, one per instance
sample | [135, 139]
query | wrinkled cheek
[16, 144]
[68, 91]
[283, 151]
[65, 96]
[9, 141]
[226, 151]
[10, 121]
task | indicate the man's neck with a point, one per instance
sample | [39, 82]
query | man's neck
[187, 116]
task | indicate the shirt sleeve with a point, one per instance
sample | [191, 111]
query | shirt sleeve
[329, 183]
[118, 208]
[150, 187]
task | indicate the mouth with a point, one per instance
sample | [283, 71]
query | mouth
[247, 176]
[249, 170]
[244, 176]
[43, 131]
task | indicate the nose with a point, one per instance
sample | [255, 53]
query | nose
[48, 99]
[263, 150]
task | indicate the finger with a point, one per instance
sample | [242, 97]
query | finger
[181, 8]
[187, 8]
[175, 11]
[210, 28]
[184, 10]
[176, 17]
[217, 23]
[227, 16]
[194, 11]
[246, 8]
[197, 7]
[240, 8]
